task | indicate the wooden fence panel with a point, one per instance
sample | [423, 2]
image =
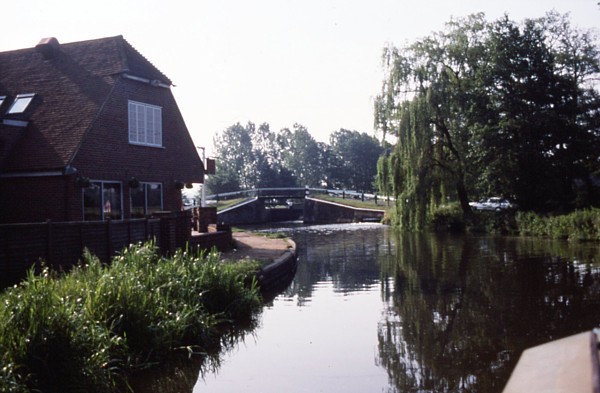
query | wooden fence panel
[64, 244]
[61, 244]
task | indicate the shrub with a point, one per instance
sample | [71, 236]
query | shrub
[579, 225]
[87, 330]
[448, 217]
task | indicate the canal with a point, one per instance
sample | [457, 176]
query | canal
[374, 310]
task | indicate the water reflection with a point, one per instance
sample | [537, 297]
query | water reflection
[460, 310]
[371, 309]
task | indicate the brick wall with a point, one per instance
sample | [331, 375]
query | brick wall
[40, 198]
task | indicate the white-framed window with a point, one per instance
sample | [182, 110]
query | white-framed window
[146, 199]
[103, 200]
[145, 124]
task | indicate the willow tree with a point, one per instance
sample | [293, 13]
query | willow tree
[504, 108]
[426, 102]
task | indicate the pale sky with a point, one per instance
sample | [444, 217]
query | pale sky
[313, 62]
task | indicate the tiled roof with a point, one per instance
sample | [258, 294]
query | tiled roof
[70, 89]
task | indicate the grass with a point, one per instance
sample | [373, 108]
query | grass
[580, 225]
[89, 330]
[367, 204]
[224, 204]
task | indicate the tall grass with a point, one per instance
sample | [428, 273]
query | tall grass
[86, 331]
[579, 225]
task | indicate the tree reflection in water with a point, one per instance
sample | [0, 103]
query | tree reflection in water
[456, 311]
[460, 310]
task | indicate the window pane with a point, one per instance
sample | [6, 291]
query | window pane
[150, 125]
[158, 127]
[138, 202]
[92, 202]
[21, 103]
[132, 123]
[111, 194]
[145, 124]
[154, 197]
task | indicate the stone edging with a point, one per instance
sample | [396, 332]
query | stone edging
[278, 274]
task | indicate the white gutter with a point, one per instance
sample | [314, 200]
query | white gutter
[68, 170]
[153, 82]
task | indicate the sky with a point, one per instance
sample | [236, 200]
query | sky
[281, 62]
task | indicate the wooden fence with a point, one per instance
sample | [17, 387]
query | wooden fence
[61, 244]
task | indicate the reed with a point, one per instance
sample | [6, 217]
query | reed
[90, 329]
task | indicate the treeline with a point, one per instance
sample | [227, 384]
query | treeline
[492, 109]
[251, 157]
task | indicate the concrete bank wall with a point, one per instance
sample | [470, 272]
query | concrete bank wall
[318, 211]
[251, 212]
[254, 212]
[276, 276]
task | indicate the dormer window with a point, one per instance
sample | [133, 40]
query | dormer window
[2, 98]
[145, 124]
[20, 103]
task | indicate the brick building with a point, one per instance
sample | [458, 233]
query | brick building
[89, 131]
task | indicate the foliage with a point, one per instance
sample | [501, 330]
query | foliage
[87, 330]
[355, 157]
[491, 108]
[251, 157]
[447, 218]
[579, 225]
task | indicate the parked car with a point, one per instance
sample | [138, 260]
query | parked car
[493, 203]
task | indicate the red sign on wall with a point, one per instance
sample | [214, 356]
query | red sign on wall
[210, 167]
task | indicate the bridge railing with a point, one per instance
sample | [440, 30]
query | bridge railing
[292, 192]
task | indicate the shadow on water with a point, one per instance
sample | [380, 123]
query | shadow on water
[181, 373]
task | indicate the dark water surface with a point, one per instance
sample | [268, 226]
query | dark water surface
[373, 310]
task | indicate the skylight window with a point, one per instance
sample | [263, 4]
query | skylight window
[21, 103]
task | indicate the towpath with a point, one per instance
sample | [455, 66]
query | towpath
[250, 245]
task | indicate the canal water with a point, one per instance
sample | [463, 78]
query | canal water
[374, 310]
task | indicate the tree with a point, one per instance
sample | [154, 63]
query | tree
[234, 151]
[491, 108]
[544, 137]
[301, 155]
[429, 93]
[249, 157]
[225, 179]
[354, 159]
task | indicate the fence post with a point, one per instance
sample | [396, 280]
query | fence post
[109, 245]
[49, 242]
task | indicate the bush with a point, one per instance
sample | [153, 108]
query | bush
[448, 217]
[580, 225]
[87, 330]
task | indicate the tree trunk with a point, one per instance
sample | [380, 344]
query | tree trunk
[463, 198]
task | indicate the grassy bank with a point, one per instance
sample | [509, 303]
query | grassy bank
[367, 204]
[580, 225]
[89, 330]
